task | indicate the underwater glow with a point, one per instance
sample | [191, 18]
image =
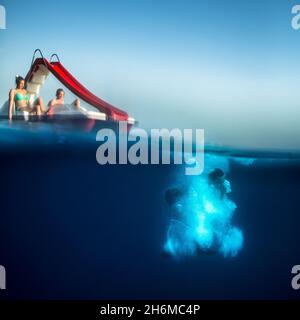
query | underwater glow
[202, 217]
[232, 242]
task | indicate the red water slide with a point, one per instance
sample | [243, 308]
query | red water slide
[66, 78]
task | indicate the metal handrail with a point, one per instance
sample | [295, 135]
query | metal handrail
[33, 58]
[54, 55]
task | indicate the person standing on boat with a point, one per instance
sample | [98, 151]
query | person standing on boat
[20, 97]
[58, 102]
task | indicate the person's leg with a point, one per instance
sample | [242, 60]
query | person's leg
[39, 106]
[28, 108]
[50, 110]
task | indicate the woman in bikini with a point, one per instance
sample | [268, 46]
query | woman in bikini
[20, 97]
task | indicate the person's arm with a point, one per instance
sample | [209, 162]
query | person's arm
[11, 101]
[51, 105]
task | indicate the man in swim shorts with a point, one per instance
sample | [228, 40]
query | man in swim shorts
[58, 102]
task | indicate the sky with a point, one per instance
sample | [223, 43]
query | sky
[228, 67]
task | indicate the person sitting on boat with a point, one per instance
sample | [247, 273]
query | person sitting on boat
[20, 97]
[58, 102]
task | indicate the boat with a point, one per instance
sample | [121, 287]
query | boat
[101, 114]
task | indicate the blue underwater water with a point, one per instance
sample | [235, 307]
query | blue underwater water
[73, 229]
